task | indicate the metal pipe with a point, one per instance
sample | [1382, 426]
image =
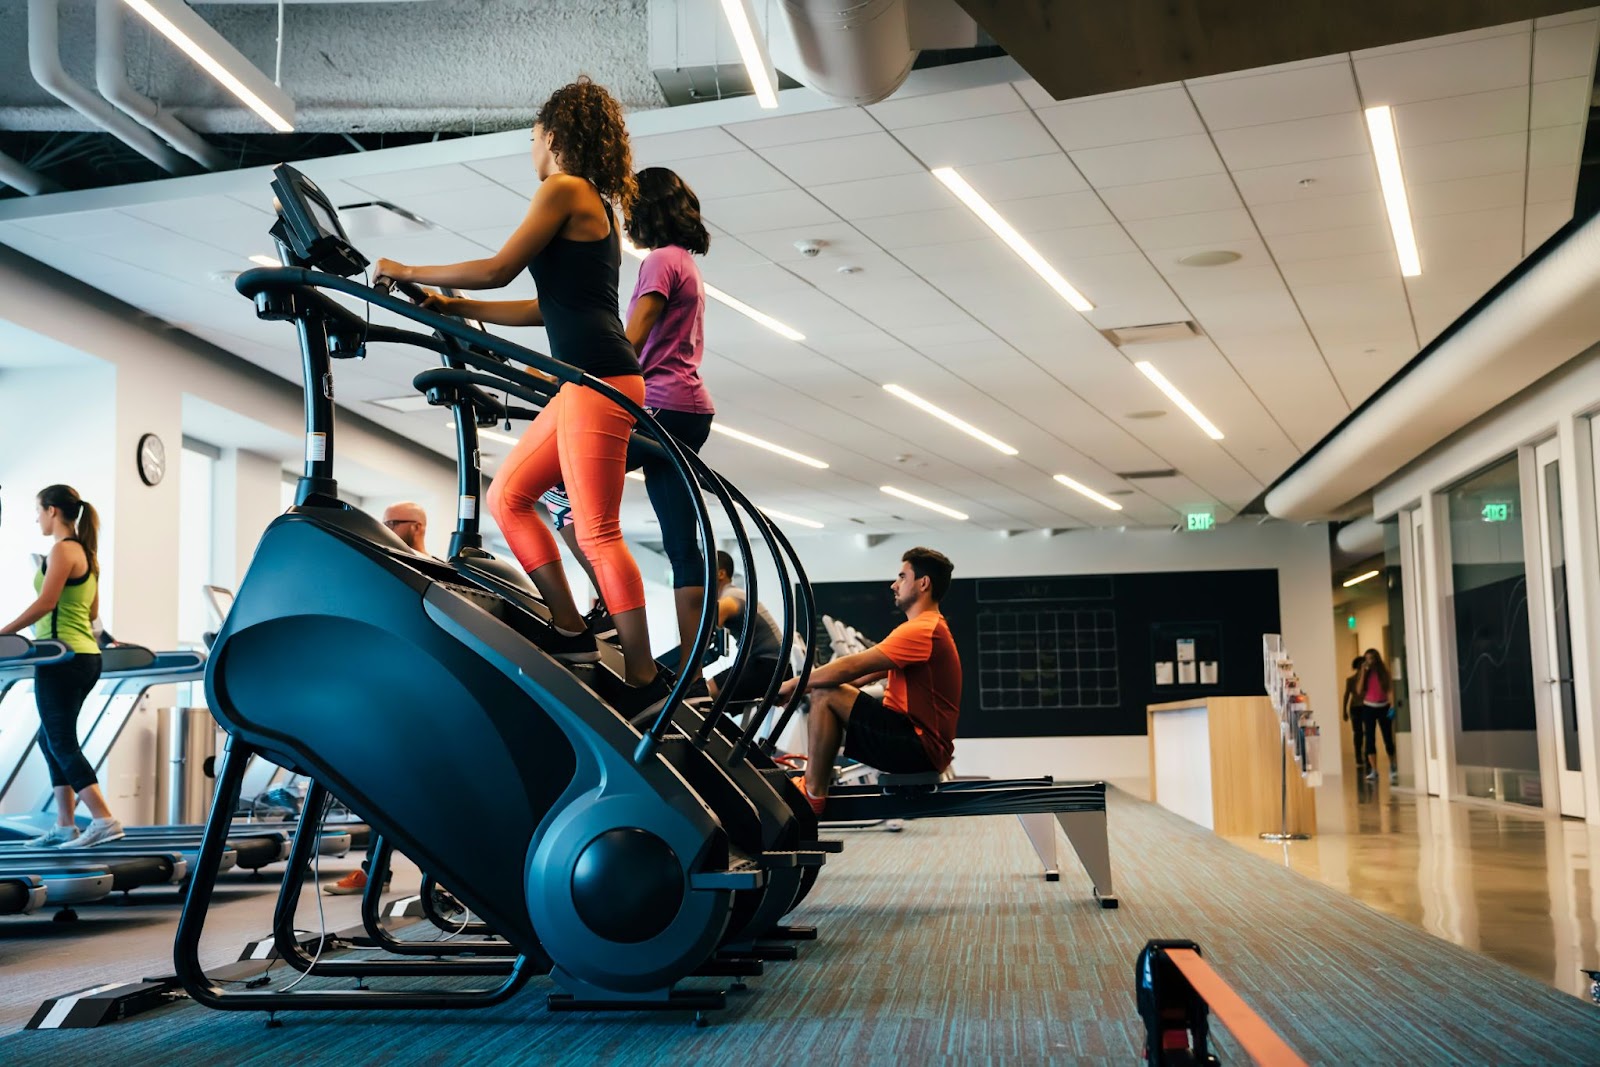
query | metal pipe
[24, 179]
[44, 62]
[111, 78]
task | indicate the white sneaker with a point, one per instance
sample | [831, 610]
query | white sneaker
[1394, 777]
[100, 832]
[58, 835]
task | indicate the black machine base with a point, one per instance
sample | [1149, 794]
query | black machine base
[698, 1001]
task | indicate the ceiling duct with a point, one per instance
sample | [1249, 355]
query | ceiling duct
[111, 78]
[1154, 333]
[22, 178]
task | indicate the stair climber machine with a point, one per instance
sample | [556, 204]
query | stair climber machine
[614, 856]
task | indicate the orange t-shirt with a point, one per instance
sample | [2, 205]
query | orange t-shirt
[925, 682]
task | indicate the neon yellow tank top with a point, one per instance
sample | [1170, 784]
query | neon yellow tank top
[70, 622]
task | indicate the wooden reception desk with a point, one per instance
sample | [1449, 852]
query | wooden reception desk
[1218, 761]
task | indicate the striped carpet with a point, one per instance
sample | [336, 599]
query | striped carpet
[942, 943]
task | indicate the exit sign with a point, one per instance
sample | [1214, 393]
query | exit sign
[1201, 520]
[1496, 512]
[1350, 621]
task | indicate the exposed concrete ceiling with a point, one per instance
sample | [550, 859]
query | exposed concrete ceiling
[487, 64]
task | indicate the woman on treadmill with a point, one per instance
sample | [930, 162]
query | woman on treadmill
[569, 243]
[68, 598]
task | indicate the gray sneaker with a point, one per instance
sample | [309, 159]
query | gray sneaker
[99, 832]
[58, 835]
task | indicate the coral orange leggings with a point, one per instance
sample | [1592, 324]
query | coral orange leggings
[580, 438]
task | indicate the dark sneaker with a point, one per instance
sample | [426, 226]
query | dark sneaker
[579, 648]
[600, 624]
[640, 703]
[698, 690]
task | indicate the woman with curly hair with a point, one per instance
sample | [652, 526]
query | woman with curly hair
[569, 243]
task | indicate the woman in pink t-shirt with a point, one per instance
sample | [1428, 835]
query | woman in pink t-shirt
[666, 324]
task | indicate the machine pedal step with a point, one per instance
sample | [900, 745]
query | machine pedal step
[793, 933]
[822, 846]
[266, 949]
[102, 1004]
[730, 967]
[770, 951]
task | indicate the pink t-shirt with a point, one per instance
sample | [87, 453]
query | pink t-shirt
[671, 356]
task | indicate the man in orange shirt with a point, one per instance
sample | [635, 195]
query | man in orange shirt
[912, 730]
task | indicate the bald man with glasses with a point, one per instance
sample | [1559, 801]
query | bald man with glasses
[409, 523]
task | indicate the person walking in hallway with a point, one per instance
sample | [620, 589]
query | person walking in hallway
[1351, 713]
[1376, 691]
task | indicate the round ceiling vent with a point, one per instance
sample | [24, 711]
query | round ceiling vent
[1216, 258]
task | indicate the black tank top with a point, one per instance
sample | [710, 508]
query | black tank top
[577, 290]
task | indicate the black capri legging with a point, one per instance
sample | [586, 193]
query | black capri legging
[680, 534]
[60, 690]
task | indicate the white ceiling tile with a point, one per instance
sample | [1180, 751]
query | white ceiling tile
[1183, 196]
[728, 174]
[1120, 118]
[1140, 162]
[840, 242]
[1262, 311]
[1277, 143]
[1555, 146]
[397, 186]
[1042, 213]
[1465, 194]
[1461, 118]
[811, 126]
[1287, 372]
[852, 345]
[1324, 244]
[752, 283]
[917, 228]
[1453, 70]
[1494, 236]
[896, 114]
[1302, 93]
[1548, 184]
[1016, 179]
[486, 207]
[1362, 366]
[868, 265]
[1337, 270]
[839, 159]
[1014, 135]
[1326, 177]
[1249, 275]
[1380, 300]
[506, 169]
[1032, 94]
[1214, 228]
[1563, 51]
[959, 258]
[895, 195]
[765, 211]
[683, 144]
[1464, 159]
[1543, 221]
[1061, 247]
[1314, 213]
[1560, 103]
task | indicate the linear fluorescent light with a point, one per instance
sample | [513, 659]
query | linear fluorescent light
[1079, 487]
[265, 261]
[734, 302]
[637, 476]
[912, 498]
[1358, 579]
[195, 38]
[1160, 380]
[940, 413]
[741, 20]
[492, 435]
[752, 439]
[1380, 127]
[810, 524]
[1003, 229]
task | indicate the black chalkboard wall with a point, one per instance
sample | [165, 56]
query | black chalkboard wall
[1075, 655]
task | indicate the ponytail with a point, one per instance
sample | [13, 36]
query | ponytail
[75, 509]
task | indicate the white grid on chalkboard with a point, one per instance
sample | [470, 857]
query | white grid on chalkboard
[1047, 658]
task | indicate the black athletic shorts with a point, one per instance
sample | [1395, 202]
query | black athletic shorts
[884, 739]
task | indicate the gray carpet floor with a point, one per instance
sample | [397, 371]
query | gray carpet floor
[939, 943]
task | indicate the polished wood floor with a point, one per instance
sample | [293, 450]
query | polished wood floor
[1518, 886]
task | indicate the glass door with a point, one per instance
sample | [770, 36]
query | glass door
[1557, 665]
[1425, 720]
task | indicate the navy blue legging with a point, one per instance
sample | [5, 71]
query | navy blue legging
[680, 534]
[60, 690]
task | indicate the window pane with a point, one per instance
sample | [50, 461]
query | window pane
[196, 519]
[1497, 748]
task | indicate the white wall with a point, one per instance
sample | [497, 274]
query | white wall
[1299, 553]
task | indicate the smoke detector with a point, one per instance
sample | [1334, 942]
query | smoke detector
[810, 248]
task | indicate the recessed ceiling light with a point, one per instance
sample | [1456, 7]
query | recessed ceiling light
[1152, 413]
[944, 416]
[758, 442]
[490, 435]
[810, 524]
[912, 498]
[265, 261]
[1148, 369]
[409, 402]
[1215, 258]
[1007, 233]
[1078, 487]
[1380, 128]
